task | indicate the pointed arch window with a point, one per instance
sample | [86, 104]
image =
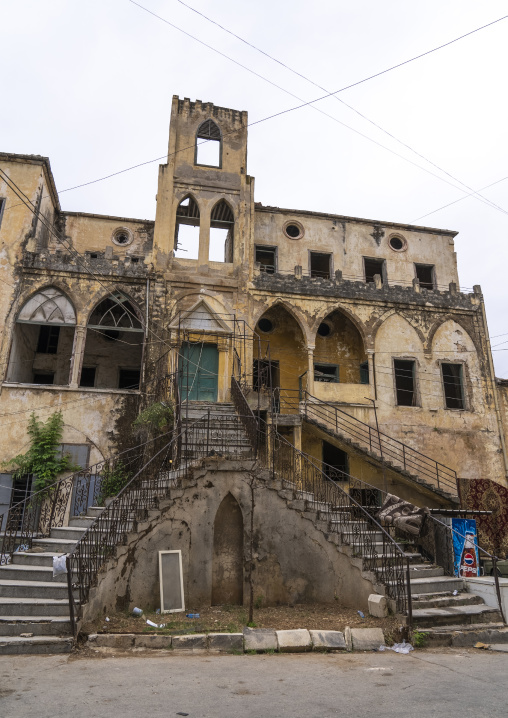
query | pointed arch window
[222, 225]
[114, 345]
[187, 229]
[43, 339]
[208, 145]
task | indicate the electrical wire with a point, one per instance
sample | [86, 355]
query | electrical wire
[315, 84]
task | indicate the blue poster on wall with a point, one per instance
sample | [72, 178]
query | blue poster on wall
[465, 548]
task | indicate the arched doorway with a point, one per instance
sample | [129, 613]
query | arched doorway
[227, 562]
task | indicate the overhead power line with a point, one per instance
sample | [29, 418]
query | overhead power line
[339, 99]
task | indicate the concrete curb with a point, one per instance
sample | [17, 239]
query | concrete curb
[252, 640]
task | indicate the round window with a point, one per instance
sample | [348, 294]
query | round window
[265, 325]
[398, 244]
[293, 230]
[324, 330]
[122, 237]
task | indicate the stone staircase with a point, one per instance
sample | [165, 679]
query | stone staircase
[32, 601]
[226, 431]
[373, 457]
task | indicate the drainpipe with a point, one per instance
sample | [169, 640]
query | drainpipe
[493, 379]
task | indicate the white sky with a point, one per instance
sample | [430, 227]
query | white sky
[89, 84]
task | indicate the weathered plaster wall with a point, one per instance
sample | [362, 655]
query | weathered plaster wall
[293, 560]
[94, 233]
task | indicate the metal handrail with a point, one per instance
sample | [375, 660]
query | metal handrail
[377, 441]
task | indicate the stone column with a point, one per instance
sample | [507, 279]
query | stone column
[78, 350]
[204, 237]
[310, 370]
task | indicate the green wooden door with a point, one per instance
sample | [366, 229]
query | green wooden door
[199, 370]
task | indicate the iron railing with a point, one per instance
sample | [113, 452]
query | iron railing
[245, 413]
[208, 436]
[346, 516]
[386, 448]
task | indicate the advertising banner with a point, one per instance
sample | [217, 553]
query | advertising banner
[465, 548]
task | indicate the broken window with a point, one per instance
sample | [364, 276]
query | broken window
[222, 225]
[42, 340]
[373, 267]
[48, 339]
[425, 273]
[87, 376]
[267, 259]
[405, 387]
[453, 386]
[187, 229]
[320, 264]
[327, 373]
[114, 345]
[208, 145]
[2, 207]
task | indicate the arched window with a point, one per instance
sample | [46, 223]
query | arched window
[222, 224]
[187, 229]
[114, 345]
[42, 339]
[208, 145]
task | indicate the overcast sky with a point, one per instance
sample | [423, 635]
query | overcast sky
[89, 85]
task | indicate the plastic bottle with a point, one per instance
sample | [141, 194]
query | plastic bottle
[192, 615]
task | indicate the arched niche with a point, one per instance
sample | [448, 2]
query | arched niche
[280, 350]
[455, 364]
[227, 560]
[114, 345]
[399, 358]
[43, 339]
[339, 354]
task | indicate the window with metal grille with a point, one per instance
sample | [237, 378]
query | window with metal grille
[425, 274]
[320, 264]
[405, 386]
[453, 386]
[267, 258]
[208, 145]
[373, 267]
[47, 342]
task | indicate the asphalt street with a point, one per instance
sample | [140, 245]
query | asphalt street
[438, 683]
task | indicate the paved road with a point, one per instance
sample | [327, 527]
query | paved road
[448, 683]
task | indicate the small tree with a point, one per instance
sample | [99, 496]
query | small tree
[43, 458]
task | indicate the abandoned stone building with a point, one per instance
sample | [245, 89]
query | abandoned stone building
[347, 339]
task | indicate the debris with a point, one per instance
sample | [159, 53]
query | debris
[455, 592]
[151, 623]
[158, 610]
[193, 615]
[26, 635]
[483, 646]
[182, 714]
[106, 619]
[403, 647]
[361, 614]
[137, 612]
[59, 565]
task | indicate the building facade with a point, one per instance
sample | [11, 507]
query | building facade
[341, 328]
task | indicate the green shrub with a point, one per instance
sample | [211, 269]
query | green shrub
[113, 480]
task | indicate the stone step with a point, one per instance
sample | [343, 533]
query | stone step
[28, 572]
[436, 584]
[467, 636]
[33, 589]
[72, 533]
[56, 545]
[38, 625]
[414, 558]
[82, 522]
[94, 511]
[461, 615]
[26, 558]
[461, 599]
[33, 607]
[423, 570]
[350, 536]
[15, 645]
